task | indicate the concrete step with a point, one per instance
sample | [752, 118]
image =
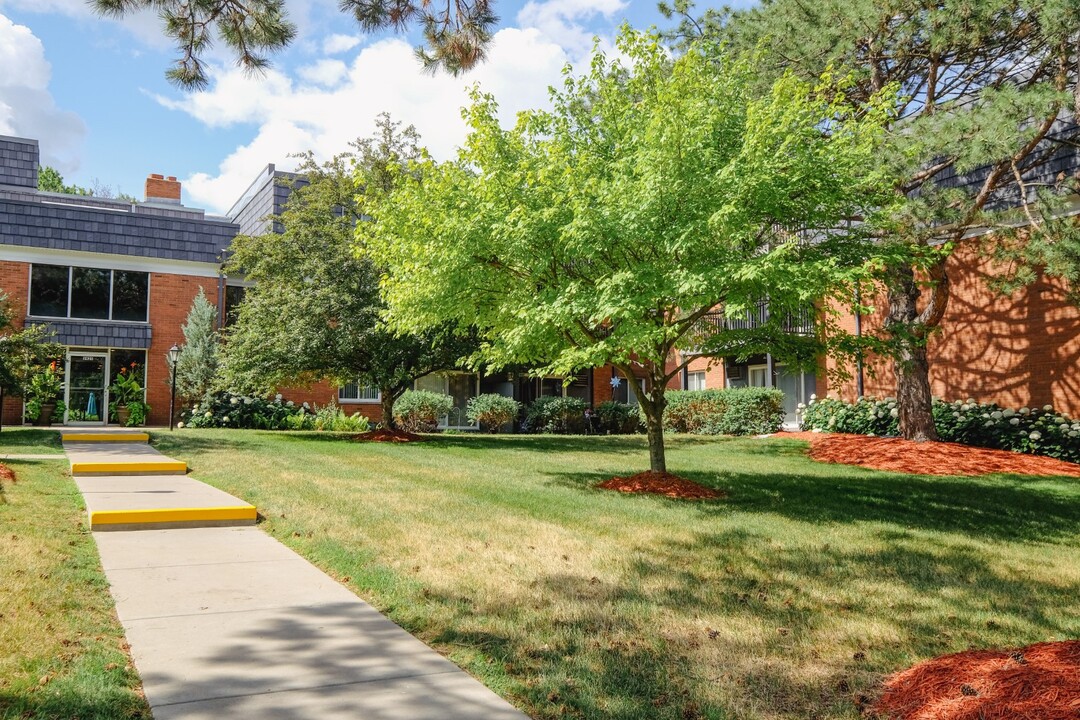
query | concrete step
[148, 467]
[105, 437]
[120, 458]
[130, 502]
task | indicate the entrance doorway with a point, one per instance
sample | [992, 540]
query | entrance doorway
[85, 398]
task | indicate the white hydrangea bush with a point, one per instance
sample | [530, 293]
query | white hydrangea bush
[1040, 431]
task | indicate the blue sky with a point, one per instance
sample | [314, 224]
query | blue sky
[93, 92]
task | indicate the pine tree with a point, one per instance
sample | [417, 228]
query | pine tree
[197, 366]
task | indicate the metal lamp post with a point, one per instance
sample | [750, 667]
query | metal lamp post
[174, 355]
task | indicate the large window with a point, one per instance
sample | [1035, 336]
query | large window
[358, 393]
[88, 293]
[695, 380]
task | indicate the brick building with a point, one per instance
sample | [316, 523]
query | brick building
[113, 280]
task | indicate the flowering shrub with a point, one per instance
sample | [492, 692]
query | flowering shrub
[420, 410]
[491, 411]
[228, 410]
[735, 411]
[1028, 430]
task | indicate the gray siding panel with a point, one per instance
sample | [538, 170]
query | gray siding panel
[34, 224]
[18, 162]
[97, 334]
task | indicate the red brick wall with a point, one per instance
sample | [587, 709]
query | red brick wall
[15, 282]
[323, 393]
[170, 301]
[1017, 350]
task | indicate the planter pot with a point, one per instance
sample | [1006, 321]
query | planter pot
[123, 412]
[44, 419]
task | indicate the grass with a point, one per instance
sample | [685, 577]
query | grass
[62, 651]
[790, 599]
[24, 440]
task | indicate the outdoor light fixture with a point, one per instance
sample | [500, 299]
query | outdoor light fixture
[174, 355]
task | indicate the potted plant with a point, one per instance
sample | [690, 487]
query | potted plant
[124, 393]
[43, 395]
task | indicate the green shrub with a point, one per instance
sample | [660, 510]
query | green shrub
[556, 415]
[491, 411]
[735, 411]
[616, 418]
[1036, 431]
[420, 410]
[138, 411]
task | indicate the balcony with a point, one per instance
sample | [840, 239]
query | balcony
[800, 323]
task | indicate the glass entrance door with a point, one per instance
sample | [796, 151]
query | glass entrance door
[86, 401]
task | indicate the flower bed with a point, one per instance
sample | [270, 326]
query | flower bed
[1036, 431]
[229, 410]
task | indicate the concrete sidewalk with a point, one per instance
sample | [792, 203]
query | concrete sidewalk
[226, 622]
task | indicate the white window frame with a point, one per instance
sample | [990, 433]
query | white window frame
[696, 373]
[359, 400]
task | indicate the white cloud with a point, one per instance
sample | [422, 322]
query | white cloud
[561, 20]
[325, 72]
[294, 115]
[27, 108]
[337, 43]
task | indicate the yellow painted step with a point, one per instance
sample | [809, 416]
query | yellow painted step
[129, 468]
[106, 437]
[171, 515]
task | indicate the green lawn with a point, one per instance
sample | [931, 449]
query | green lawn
[61, 647]
[25, 440]
[789, 599]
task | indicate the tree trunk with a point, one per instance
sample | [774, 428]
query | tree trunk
[909, 328]
[913, 400]
[388, 397]
[654, 428]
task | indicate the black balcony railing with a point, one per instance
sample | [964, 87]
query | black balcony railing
[800, 322]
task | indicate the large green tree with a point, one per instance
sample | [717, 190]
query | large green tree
[456, 32]
[989, 96]
[606, 229]
[313, 312]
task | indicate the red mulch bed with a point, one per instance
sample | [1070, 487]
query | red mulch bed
[7, 473]
[661, 483]
[394, 436]
[926, 458]
[1039, 682]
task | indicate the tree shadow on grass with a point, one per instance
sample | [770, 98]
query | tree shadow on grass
[818, 627]
[563, 443]
[997, 507]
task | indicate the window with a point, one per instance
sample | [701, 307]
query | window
[234, 295]
[130, 291]
[624, 392]
[695, 380]
[88, 293]
[359, 393]
[49, 290]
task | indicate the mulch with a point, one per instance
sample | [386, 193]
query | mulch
[661, 483]
[926, 458]
[1038, 682]
[382, 435]
[7, 473]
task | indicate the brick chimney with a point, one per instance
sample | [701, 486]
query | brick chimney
[162, 189]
